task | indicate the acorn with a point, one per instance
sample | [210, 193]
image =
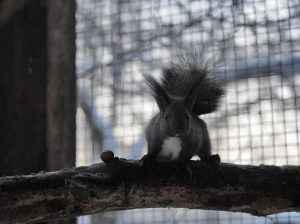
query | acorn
[107, 156]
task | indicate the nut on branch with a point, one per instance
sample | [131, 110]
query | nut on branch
[107, 156]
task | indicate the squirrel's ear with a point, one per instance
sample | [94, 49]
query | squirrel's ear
[158, 92]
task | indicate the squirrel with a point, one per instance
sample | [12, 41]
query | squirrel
[184, 92]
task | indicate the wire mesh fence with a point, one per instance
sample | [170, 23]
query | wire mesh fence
[258, 43]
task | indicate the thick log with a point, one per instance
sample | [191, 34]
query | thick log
[126, 184]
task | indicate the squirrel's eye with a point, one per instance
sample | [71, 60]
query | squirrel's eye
[188, 117]
[165, 117]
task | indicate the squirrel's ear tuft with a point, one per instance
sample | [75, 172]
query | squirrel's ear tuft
[158, 92]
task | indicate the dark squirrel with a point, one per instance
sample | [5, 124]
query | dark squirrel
[184, 92]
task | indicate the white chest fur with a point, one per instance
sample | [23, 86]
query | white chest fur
[170, 149]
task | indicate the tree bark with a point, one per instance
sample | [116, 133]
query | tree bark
[23, 58]
[61, 85]
[126, 184]
[9, 8]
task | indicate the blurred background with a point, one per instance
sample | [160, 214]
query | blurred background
[258, 122]
[54, 101]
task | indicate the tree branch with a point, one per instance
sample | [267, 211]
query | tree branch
[127, 184]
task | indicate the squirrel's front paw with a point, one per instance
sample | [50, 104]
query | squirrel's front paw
[212, 159]
[147, 159]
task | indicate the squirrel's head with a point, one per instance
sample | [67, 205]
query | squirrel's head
[175, 111]
[175, 117]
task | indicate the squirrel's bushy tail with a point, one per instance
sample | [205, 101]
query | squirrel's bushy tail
[189, 73]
